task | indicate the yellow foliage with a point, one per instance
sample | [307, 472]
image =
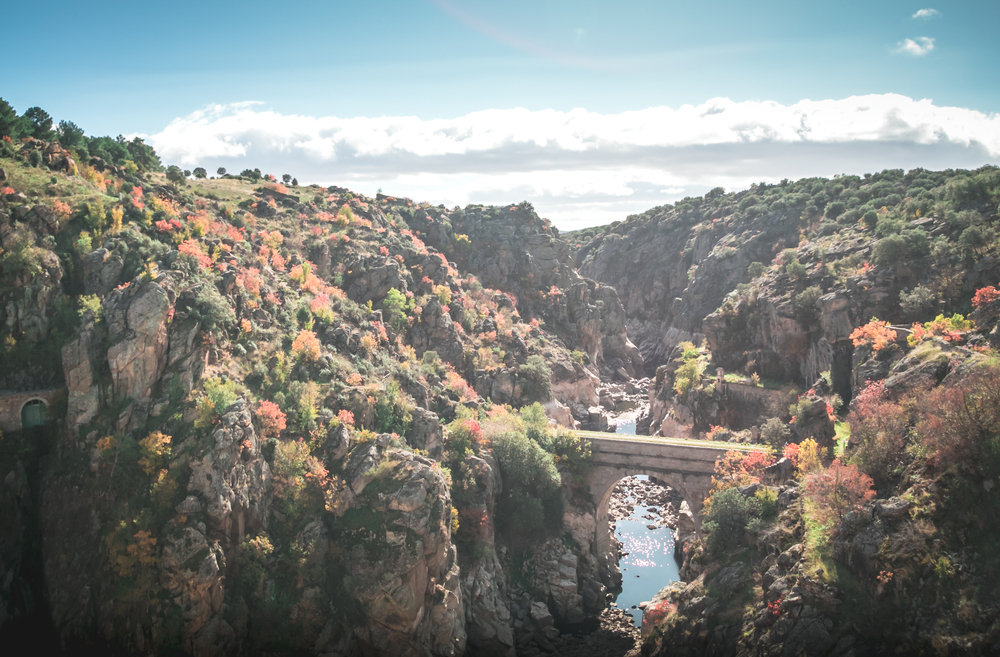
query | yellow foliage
[155, 450]
[810, 457]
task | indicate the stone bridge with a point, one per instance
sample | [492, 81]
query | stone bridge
[684, 465]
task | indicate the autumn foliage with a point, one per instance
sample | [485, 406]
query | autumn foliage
[839, 489]
[272, 420]
[875, 333]
[306, 345]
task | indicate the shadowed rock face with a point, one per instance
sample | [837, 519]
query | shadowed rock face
[512, 250]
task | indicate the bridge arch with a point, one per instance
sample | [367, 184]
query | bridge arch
[685, 466]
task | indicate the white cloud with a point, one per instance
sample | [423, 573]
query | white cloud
[920, 46]
[583, 168]
[926, 13]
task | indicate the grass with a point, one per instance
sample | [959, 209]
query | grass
[818, 549]
[36, 184]
[843, 430]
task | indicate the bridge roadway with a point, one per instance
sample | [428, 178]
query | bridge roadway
[685, 465]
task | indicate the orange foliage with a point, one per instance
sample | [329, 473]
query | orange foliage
[306, 345]
[875, 333]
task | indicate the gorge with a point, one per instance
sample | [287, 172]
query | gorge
[292, 419]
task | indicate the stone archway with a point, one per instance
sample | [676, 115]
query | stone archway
[693, 489]
[34, 413]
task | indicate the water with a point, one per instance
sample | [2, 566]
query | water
[624, 423]
[649, 564]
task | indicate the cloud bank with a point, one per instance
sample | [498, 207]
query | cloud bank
[583, 168]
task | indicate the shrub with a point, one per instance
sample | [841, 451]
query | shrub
[890, 250]
[217, 397]
[272, 420]
[727, 518]
[795, 270]
[306, 346]
[212, 310]
[756, 269]
[774, 433]
[917, 302]
[395, 306]
[810, 457]
[536, 379]
[804, 304]
[155, 450]
[839, 489]
[875, 333]
[961, 423]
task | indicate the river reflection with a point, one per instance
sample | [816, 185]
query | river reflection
[649, 564]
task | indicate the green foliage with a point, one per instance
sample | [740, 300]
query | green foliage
[91, 303]
[531, 501]
[212, 310]
[536, 377]
[795, 269]
[395, 307]
[689, 372]
[917, 302]
[767, 500]
[756, 269]
[218, 395]
[175, 174]
[775, 433]
[890, 250]
[727, 519]
[804, 304]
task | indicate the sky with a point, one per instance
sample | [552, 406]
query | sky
[589, 110]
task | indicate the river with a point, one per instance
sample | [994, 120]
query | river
[648, 563]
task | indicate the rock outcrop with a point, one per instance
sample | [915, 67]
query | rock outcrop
[405, 576]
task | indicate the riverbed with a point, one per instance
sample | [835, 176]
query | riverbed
[644, 516]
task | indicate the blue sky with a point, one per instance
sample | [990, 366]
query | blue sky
[182, 72]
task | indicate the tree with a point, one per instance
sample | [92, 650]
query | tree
[199, 172]
[537, 378]
[774, 433]
[880, 335]
[38, 123]
[174, 174]
[272, 420]
[221, 171]
[11, 125]
[286, 178]
[142, 154]
[71, 136]
[727, 518]
[840, 488]
[187, 173]
[295, 182]
[395, 306]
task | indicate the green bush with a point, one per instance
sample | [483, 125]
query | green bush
[756, 269]
[774, 433]
[795, 270]
[212, 309]
[804, 304]
[536, 377]
[891, 250]
[727, 519]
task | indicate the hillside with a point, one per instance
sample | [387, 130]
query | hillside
[244, 416]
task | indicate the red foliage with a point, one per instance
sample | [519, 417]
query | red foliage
[272, 420]
[985, 296]
[960, 423]
[840, 488]
[192, 249]
[791, 452]
[346, 417]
